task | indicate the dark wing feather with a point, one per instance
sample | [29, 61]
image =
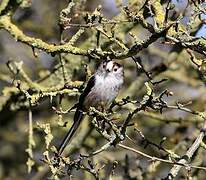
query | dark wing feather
[78, 116]
[86, 91]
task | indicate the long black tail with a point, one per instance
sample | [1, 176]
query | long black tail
[78, 116]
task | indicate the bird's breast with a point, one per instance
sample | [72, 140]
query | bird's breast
[103, 93]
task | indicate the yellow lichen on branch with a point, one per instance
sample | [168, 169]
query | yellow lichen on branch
[5, 23]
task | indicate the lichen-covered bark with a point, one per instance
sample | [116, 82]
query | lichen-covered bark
[158, 116]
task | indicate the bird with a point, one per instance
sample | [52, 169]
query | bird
[101, 90]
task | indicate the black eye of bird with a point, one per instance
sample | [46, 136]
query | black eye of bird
[115, 69]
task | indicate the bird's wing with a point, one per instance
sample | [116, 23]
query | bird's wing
[78, 116]
[86, 91]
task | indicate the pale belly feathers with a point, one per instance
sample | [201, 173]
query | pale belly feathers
[103, 93]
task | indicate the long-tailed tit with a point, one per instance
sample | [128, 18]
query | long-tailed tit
[102, 88]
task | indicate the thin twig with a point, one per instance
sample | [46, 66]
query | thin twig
[153, 158]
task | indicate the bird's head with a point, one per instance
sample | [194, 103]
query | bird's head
[110, 68]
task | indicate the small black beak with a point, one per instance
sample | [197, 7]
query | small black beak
[107, 70]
